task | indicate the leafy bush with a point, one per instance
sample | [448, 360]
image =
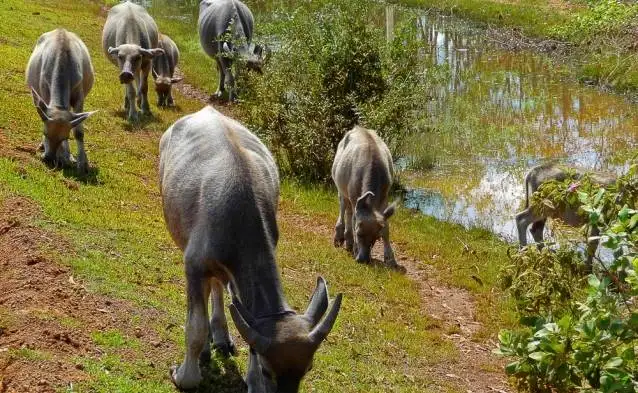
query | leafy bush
[579, 340]
[601, 17]
[333, 70]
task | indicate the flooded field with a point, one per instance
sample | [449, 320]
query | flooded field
[492, 115]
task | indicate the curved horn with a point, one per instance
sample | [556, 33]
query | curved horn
[256, 341]
[318, 302]
[155, 74]
[320, 332]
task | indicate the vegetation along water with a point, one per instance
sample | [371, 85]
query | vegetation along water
[467, 94]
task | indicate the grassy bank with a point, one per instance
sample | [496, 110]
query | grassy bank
[600, 33]
[118, 246]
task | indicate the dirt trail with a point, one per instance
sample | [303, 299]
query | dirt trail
[47, 316]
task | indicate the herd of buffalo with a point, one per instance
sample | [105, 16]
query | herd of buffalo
[220, 188]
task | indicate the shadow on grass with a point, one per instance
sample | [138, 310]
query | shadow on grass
[90, 178]
[138, 125]
[222, 375]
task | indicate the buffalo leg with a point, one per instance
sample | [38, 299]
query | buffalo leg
[523, 220]
[78, 133]
[537, 230]
[340, 226]
[143, 90]
[388, 253]
[592, 246]
[222, 342]
[132, 108]
[349, 238]
[188, 374]
[221, 87]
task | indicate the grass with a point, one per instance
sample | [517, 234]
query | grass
[120, 247]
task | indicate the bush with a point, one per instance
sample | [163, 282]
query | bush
[333, 70]
[576, 340]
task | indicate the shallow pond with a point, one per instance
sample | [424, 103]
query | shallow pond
[494, 114]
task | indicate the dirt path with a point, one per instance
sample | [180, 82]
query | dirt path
[47, 317]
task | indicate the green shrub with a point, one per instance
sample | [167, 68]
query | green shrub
[571, 339]
[333, 70]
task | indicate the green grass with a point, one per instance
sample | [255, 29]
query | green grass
[119, 245]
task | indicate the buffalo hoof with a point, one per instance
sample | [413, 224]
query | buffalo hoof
[226, 349]
[83, 168]
[338, 242]
[204, 357]
[181, 381]
[134, 117]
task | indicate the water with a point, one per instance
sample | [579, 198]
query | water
[497, 114]
[494, 114]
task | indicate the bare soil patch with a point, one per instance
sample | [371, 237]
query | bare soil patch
[46, 315]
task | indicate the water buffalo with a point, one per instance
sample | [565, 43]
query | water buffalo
[225, 32]
[220, 190]
[541, 174]
[60, 75]
[362, 171]
[164, 69]
[130, 40]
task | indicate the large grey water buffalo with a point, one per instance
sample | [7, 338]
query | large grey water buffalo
[130, 40]
[60, 75]
[541, 174]
[226, 32]
[220, 190]
[164, 69]
[363, 172]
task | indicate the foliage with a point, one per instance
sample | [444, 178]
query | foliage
[602, 17]
[589, 341]
[332, 71]
[555, 196]
[543, 281]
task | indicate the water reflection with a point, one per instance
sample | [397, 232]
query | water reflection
[496, 114]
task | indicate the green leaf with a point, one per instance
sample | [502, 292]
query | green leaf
[593, 281]
[538, 356]
[512, 368]
[613, 363]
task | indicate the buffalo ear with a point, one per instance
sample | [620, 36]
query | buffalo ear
[148, 53]
[176, 80]
[365, 201]
[80, 117]
[389, 211]
[40, 105]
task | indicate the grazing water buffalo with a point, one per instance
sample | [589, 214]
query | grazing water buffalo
[163, 70]
[570, 216]
[130, 40]
[220, 190]
[362, 171]
[225, 32]
[60, 75]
